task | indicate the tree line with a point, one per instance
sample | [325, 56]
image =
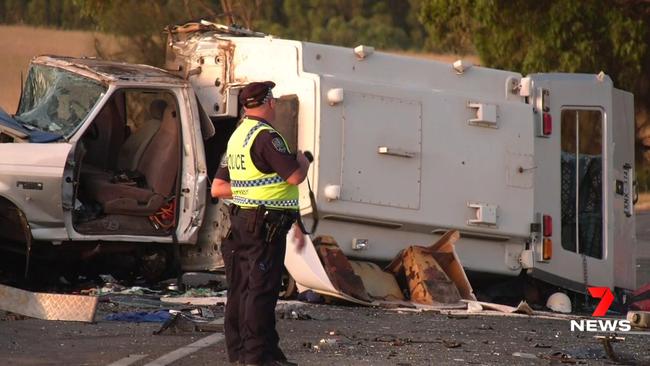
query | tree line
[520, 35]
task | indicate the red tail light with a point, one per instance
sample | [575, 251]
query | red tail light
[547, 124]
[547, 224]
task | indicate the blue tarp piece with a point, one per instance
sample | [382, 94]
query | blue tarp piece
[34, 135]
[159, 316]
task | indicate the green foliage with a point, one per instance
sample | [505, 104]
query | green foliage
[380, 23]
[386, 24]
[449, 24]
[586, 36]
[138, 24]
[547, 35]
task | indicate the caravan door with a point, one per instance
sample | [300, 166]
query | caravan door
[575, 180]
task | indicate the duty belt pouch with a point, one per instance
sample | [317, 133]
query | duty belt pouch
[256, 222]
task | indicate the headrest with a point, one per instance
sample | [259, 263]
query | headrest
[169, 120]
[156, 108]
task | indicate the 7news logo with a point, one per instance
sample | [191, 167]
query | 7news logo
[601, 325]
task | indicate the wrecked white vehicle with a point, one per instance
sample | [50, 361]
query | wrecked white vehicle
[103, 153]
[406, 149]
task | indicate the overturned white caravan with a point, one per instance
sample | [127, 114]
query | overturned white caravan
[536, 172]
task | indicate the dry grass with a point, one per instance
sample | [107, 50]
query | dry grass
[442, 57]
[20, 44]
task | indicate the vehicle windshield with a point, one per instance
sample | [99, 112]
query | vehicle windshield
[55, 100]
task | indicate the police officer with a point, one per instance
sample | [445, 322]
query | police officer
[261, 175]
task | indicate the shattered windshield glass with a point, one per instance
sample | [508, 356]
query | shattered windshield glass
[55, 100]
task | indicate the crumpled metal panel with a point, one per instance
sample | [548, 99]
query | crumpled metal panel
[426, 280]
[445, 254]
[339, 270]
[48, 306]
[434, 274]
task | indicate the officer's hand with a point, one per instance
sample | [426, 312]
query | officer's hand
[302, 159]
[299, 238]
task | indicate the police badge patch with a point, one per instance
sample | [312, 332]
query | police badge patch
[279, 145]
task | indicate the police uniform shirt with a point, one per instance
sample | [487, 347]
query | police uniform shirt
[269, 153]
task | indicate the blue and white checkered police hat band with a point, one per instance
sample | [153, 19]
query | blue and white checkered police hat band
[256, 182]
[268, 97]
[270, 203]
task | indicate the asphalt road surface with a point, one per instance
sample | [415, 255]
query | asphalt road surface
[333, 335]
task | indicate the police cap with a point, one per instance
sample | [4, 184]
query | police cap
[255, 94]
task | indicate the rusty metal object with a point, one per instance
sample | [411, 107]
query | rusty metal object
[379, 284]
[339, 270]
[609, 348]
[426, 280]
[433, 274]
[444, 253]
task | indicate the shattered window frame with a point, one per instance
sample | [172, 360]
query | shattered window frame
[58, 101]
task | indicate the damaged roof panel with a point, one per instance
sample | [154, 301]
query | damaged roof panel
[108, 71]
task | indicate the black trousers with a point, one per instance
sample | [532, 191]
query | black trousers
[254, 270]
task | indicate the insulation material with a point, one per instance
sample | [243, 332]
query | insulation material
[379, 284]
[48, 306]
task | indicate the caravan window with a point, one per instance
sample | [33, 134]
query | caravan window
[582, 181]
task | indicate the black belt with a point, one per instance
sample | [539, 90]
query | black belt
[275, 221]
[236, 210]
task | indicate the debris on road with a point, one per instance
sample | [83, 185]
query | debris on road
[48, 306]
[159, 316]
[524, 355]
[197, 301]
[426, 280]
[563, 357]
[522, 308]
[433, 274]
[328, 342]
[339, 269]
[197, 297]
[180, 323]
[204, 279]
[607, 345]
[294, 315]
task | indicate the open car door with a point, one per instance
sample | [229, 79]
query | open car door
[196, 126]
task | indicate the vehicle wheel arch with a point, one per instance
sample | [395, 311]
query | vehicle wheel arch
[12, 217]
